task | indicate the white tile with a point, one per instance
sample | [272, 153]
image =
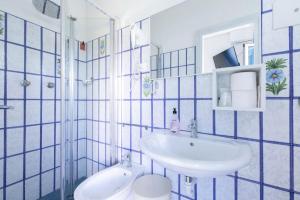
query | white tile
[15, 29]
[126, 87]
[14, 169]
[135, 133]
[204, 86]
[296, 125]
[48, 64]
[14, 141]
[191, 56]
[248, 190]
[15, 116]
[32, 163]
[48, 41]
[225, 123]
[159, 89]
[34, 91]
[89, 50]
[102, 153]
[187, 87]
[33, 37]
[32, 137]
[158, 114]
[1, 172]
[102, 69]
[15, 192]
[182, 57]
[146, 113]
[157, 168]
[272, 193]
[32, 188]
[296, 167]
[126, 137]
[225, 188]
[186, 113]
[125, 38]
[47, 158]
[273, 40]
[95, 48]
[252, 170]
[172, 88]
[33, 112]
[48, 93]
[33, 61]
[205, 189]
[47, 182]
[126, 112]
[296, 74]
[1, 144]
[14, 88]
[126, 65]
[2, 55]
[276, 165]
[296, 36]
[248, 124]
[205, 116]
[276, 128]
[15, 57]
[170, 105]
[166, 60]
[47, 135]
[48, 111]
[135, 112]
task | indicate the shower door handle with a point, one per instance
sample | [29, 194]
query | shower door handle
[4, 107]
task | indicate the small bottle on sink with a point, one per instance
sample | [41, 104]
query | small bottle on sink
[175, 124]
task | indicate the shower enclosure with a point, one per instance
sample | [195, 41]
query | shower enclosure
[87, 94]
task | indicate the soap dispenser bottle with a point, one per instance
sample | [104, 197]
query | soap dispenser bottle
[175, 124]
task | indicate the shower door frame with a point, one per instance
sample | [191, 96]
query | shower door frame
[67, 58]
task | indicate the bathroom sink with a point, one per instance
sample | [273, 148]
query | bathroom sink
[205, 156]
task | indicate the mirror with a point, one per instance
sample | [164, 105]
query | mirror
[199, 36]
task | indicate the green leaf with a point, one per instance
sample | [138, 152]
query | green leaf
[277, 63]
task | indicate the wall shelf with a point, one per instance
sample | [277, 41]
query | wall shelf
[221, 79]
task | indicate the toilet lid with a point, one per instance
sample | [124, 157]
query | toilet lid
[152, 186]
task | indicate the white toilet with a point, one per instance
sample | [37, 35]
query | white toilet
[113, 183]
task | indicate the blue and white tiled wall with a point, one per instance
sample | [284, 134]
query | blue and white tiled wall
[30, 133]
[274, 134]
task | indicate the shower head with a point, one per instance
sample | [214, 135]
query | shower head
[51, 8]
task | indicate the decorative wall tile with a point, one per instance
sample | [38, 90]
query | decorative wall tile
[296, 68]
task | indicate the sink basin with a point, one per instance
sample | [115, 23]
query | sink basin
[206, 156]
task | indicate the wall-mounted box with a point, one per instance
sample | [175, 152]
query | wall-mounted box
[286, 13]
[222, 80]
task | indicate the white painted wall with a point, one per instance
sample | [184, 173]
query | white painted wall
[177, 27]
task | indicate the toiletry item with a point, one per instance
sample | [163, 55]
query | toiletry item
[244, 90]
[175, 124]
[225, 97]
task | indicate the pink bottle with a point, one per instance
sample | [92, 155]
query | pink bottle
[175, 124]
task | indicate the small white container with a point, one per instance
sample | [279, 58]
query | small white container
[244, 90]
[152, 187]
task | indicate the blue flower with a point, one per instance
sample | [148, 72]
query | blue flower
[275, 76]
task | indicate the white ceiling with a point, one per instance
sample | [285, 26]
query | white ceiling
[129, 11]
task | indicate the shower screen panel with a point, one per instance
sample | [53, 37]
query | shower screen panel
[85, 91]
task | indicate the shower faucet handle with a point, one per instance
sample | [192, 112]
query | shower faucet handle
[126, 160]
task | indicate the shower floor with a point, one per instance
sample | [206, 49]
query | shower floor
[56, 194]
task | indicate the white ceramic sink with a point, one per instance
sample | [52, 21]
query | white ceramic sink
[206, 156]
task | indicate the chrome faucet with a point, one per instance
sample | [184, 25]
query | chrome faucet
[126, 160]
[193, 127]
